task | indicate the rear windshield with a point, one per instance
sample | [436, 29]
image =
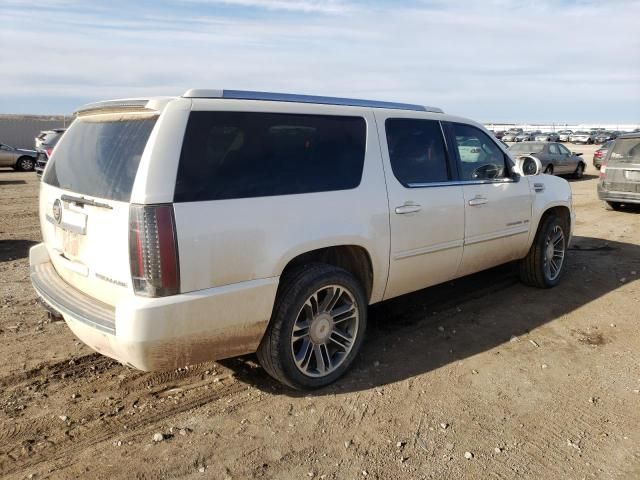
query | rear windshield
[526, 148]
[248, 154]
[625, 150]
[100, 156]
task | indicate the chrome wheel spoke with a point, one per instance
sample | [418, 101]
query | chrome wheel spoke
[343, 341]
[324, 333]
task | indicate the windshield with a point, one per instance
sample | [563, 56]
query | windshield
[526, 148]
[100, 155]
[625, 150]
[581, 133]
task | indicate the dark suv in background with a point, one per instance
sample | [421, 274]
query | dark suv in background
[620, 172]
[48, 142]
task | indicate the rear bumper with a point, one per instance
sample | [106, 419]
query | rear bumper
[622, 197]
[161, 333]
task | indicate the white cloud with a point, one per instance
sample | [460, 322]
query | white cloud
[500, 61]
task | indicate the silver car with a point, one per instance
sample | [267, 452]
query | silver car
[17, 158]
[563, 135]
[547, 137]
[620, 173]
[556, 159]
[582, 137]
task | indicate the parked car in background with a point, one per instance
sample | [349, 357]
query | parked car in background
[45, 149]
[17, 158]
[556, 159]
[510, 136]
[620, 172]
[598, 155]
[527, 136]
[581, 137]
[162, 270]
[602, 137]
[563, 135]
[547, 137]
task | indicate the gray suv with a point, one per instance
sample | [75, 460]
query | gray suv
[620, 172]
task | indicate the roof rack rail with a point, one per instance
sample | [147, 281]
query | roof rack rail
[290, 97]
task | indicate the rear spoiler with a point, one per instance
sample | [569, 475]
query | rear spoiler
[124, 105]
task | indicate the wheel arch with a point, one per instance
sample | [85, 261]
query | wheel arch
[355, 259]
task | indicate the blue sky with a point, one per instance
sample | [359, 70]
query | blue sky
[493, 60]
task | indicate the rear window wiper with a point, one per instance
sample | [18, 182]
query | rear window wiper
[84, 201]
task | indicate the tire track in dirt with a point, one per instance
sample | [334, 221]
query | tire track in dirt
[18, 456]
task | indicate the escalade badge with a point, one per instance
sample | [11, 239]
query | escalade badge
[57, 210]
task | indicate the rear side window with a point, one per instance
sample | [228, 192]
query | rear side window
[100, 156]
[625, 150]
[248, 154]
[416, 151]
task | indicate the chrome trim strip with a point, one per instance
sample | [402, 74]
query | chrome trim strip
[510, 232]
[291, 97]
[460, 182]
[430, 249]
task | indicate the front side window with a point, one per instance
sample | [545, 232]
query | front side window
[248, 154]
[554, 150]
[480, 157]
[417, 151]
[563, 150]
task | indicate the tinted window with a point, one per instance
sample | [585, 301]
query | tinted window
[416, 150]
[480, 157]
[244, 154]
[553, 149]
[100, 157]
[625, 150]
[563, 150]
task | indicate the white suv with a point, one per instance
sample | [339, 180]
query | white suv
[180, 230]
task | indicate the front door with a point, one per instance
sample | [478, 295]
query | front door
[497, 204]
[426, 207]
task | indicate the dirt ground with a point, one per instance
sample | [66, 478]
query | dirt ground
[531, 383]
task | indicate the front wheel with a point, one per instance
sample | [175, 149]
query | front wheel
[317, 327]
[543, 265]
[579, 173]
[614, 206]
[549, 170]
[25, 164]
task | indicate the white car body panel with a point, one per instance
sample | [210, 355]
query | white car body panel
[232, 252]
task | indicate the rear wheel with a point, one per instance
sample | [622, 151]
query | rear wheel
[317, 327]
[579, 173]
[614, 206]
[543, 265]
[25, 164]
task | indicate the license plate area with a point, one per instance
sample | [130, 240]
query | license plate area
[632, 175]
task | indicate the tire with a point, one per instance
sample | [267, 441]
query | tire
[579, 173]
[25, 164]
[536, 269]
[617, 206]
[549, 170]
[294, 308]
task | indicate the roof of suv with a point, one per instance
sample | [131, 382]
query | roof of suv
[630, 135]
[144, 104]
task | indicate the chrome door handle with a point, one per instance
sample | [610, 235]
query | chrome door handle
[478, 201]
[408, 208]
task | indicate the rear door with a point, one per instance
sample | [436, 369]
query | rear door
[426, 206]
[567, 160]
[84, 201]
[497, 205]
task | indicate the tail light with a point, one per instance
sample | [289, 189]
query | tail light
[153, 250]
[603, 171]
[49, 151]
[598, 153]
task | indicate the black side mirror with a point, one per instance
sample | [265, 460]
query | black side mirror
[576, 154]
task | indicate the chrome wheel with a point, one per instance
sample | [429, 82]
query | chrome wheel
[554, 253]
[325, 331]
[26, 164]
